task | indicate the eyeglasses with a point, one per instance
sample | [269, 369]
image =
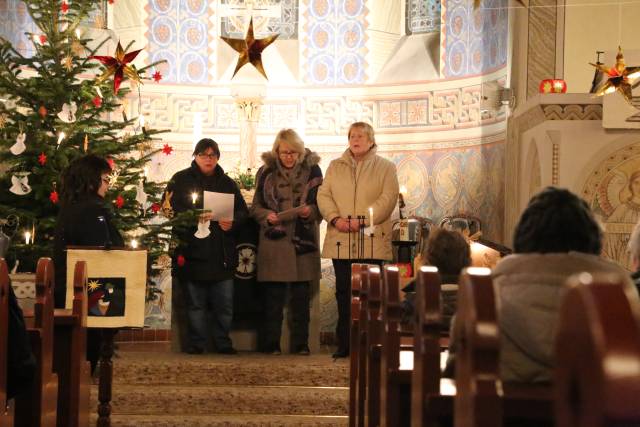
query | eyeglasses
[208, 156]
[288, 153]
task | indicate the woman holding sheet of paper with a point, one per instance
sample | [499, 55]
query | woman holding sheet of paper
[285, 207]
[205, 260]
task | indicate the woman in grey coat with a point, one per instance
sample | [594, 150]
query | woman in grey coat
[284, 206]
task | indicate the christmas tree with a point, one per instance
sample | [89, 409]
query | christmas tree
[59, 104]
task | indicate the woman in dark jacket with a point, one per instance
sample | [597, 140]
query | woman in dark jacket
[205, 265]
[285, 207]
[84, 220]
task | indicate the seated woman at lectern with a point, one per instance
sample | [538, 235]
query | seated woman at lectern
[357, 184]
[84, 220]
[288, 254]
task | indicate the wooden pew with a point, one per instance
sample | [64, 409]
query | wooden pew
[482, 399]
[431, 395]
[356, 395]
[373, 346]
[6, 408]
[395, 390]
[69, 358]
[38, 407]
[598, 354]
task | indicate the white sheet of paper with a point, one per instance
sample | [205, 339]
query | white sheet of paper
[220, 205]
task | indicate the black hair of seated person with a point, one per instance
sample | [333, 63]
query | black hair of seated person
[83, 178]
[448, 250]
[556, 220]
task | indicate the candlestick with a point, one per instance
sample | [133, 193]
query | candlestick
[371, 236]
[349, 222]
[338, 246]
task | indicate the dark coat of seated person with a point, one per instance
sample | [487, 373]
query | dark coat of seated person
[449, 251]
[557, 236]
[21, 365]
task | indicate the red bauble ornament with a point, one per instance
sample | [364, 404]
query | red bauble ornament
[157, 76]
[42, 38]
[112, 163]
[42, 159]
[553, 86]
[181, 261]
[119, 202]
[155, 208]
[42, 111]
[97, 101]
[167, 149]
[53, 197]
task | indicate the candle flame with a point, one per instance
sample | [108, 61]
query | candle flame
[403, 190]
[134, 243]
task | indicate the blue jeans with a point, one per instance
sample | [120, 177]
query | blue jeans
[200, 296]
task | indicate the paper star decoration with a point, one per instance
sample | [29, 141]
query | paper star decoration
[167, 149]
[619, 77]
[42, 159]
[119, 201]
[64, 7]
[117, 66]
[67, 62]
[54, 197]
[250, 49]
[157, 76]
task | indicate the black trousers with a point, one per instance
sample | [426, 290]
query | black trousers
[275, 295]
[342, 268]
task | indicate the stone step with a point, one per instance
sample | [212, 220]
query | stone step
[255, 420]
[244, 369]
[209, 400]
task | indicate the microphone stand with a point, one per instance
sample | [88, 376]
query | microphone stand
[349, 221]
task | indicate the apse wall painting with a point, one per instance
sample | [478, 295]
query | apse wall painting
[613, 191]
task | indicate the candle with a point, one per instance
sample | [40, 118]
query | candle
[371, 224]
[194, 197]
[27, 237]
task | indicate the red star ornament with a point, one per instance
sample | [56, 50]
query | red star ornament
[181, 261]
[167, 149]
[42, 159]
[97, 101]
[54, 197]
[117, 66]
[64, 7]
[42, 38]
[119, 202]
[157, 76]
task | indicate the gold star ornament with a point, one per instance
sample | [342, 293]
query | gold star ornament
[619, 77]
[250, 50]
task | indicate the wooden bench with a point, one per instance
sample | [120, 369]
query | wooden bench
[482, 399]
[431, 395]
[598, 354]
[38, 407]
[373, 346]
[69, 357]
[356, 369]
[395, 392]
[6, 408]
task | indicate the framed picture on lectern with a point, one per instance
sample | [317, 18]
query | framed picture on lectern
[116, 286]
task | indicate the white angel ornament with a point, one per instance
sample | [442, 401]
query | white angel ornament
[68, 113]
[19, 146]
[20, 185]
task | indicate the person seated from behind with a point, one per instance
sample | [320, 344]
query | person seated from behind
[21, 365]
[557, 236]
[449, 251]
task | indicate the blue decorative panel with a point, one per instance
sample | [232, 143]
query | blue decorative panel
[335, 42]
[14, 22]
[286, 25]
[473, 41]
[178, 32]
[422, 16]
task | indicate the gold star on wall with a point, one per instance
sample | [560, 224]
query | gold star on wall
[619, 77]
[250, 49]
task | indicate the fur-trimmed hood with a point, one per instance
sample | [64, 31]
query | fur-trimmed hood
[310, 159]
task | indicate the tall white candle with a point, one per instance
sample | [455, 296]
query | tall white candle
[194, 197]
